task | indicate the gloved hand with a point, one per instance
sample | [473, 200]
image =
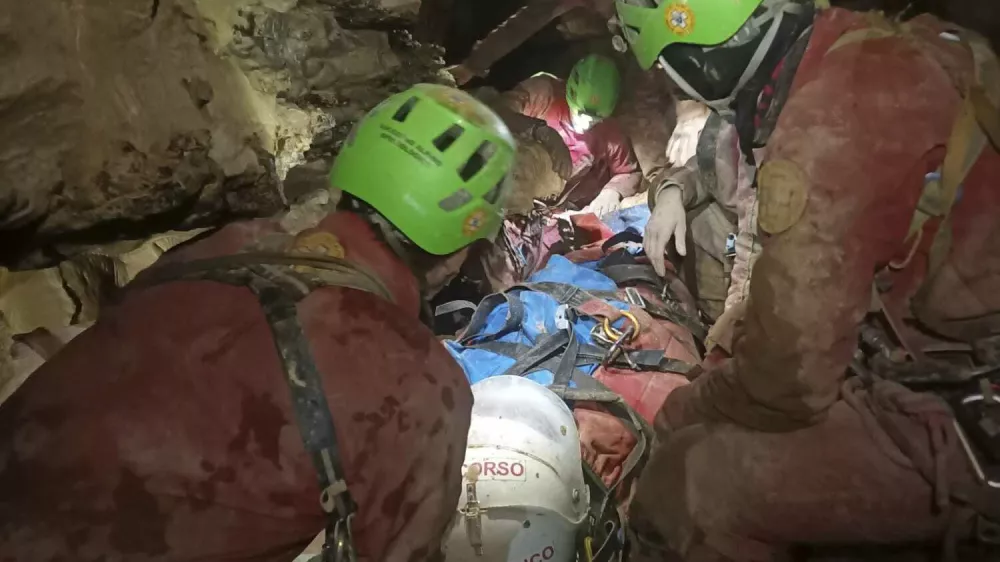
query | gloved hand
[562, 162]
[606, 202]
[669, 220]
[683, 143]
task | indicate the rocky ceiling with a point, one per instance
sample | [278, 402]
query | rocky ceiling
[122, 118]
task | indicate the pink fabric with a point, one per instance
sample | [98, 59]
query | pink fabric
[600, 155]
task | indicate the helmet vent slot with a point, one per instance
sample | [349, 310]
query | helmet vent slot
[404, 110]
[477, 160]
[448, 138]
[494, 194]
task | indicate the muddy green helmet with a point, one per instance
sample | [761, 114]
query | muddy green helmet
[434, 162]
[651, 25]
[593, 86]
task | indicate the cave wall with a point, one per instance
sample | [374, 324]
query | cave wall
[124, 118]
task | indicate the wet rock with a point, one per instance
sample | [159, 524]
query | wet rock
[126, 118]
[408, 8]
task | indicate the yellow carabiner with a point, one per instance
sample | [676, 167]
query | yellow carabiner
[614, 334]
[588, 548]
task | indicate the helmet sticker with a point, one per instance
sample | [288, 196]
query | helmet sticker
[497, 469]
[680, 19]
[474, 222]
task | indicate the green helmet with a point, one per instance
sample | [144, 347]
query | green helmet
[434, 162]
[593, 86]
[651, 25]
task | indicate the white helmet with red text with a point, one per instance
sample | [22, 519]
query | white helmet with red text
[523, 494]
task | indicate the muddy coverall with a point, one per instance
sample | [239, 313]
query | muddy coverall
[166, 431]
[717, 187]
[772, 447]
[602, 157]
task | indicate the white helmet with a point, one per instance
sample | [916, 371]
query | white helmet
[523, 494]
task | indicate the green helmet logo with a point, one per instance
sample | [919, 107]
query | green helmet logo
[434, 162]
[594, 86]
[649, 26]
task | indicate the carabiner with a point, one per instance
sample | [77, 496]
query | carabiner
[614, 334]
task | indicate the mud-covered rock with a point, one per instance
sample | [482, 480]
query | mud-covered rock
[115, 111]
[124, 118]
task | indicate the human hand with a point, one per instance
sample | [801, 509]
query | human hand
[606, 202]
[683, 143]
[562, 162]
[668, 220]
[605, 442]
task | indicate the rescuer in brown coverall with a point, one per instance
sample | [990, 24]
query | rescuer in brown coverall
[245, 373]
[846, 118]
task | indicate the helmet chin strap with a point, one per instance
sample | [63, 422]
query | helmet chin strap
[723, 106]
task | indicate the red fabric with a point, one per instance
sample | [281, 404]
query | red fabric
[590, 227]
[598, 155]
[604, 440]
[770, 449]
[863, 124]
[646, 391]
[165, 432]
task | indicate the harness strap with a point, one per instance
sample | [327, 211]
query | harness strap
[976, 126]
[591, 390]
[705, 154]
[576, 297]
[647, 359]
[515, 315]
[279, 290]
[336, 271]
[630, 274]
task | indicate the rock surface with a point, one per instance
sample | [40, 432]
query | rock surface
[124, 118]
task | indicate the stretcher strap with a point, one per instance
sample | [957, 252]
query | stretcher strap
[515, 316]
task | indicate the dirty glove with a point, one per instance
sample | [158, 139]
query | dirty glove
[562, 162]
[606, 202]
[683, 143]
[669, 220]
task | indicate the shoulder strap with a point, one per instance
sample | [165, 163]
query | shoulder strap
[279, 289]
[337, 272]
[705, 154]
[977, 124]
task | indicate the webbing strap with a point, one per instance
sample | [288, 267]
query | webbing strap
[454, 306]
[575, 297]
[278, 291]
[515, 315]
[977, 124]
[336, 271]
[708, 142]
[630, 274]
[646, 359]
[571, 296]
[589, 389]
